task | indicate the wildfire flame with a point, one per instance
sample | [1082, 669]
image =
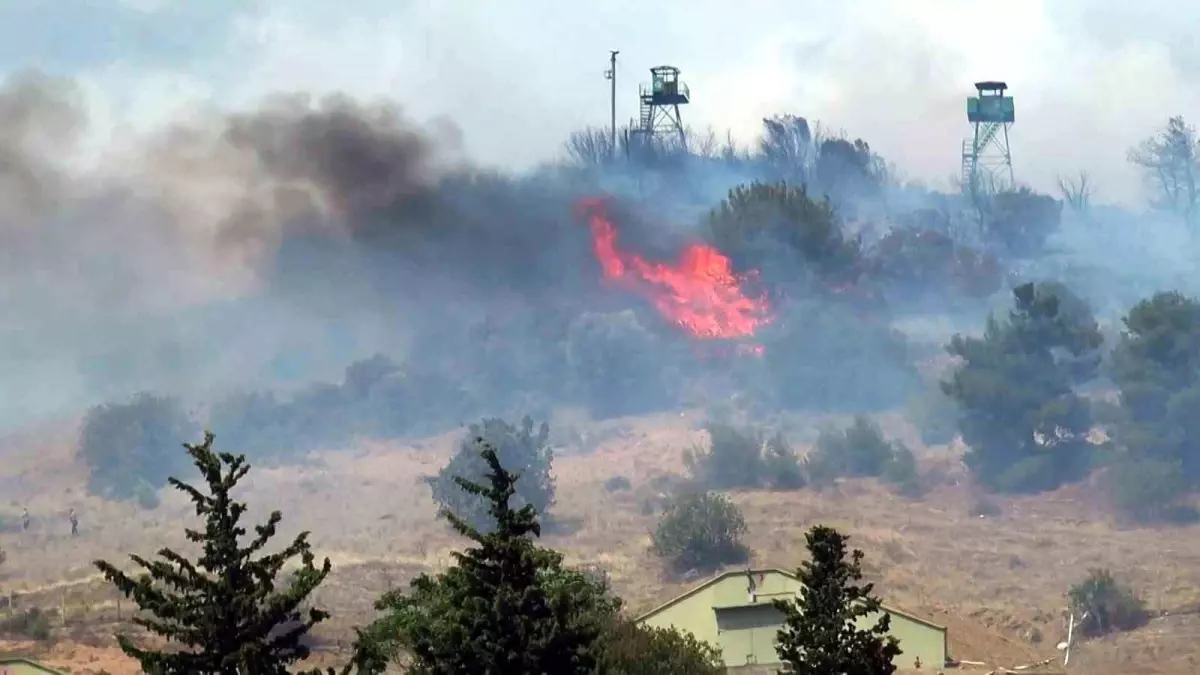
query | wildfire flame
[700, 293]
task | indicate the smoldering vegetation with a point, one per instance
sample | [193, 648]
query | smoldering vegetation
[319, 269]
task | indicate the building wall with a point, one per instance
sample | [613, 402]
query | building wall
[722, 615]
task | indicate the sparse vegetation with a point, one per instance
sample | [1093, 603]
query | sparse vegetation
[701, 531]
[1103, 605]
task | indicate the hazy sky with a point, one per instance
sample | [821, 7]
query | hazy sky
[1090, 77]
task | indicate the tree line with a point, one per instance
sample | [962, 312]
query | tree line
[507, 606]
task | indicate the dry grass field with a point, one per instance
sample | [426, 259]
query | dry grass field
[997, 582]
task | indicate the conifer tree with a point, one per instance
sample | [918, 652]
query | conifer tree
[821, 636]
[506, 608]
[224, 613]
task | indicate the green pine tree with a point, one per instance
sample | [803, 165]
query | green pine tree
[223, 614]
[506, 608]
[821, 636]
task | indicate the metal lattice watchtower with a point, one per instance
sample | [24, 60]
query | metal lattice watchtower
[986, 157]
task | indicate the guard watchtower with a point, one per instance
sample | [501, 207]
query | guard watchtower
[986, 158]
[660, 101]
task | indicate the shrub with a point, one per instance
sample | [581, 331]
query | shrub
[742, 458]
[126, 445]
[733, 458]
[859, 450]
[617, 484]
[521, 450]
[1148, 490]
[1024, 425]
[701, 531]
[784, 235]
[901, 471]
[1021, 220]
[627, 648]
[1110, 606]
[781, 465]
[33, 623]
[929, 264]
[146, 496]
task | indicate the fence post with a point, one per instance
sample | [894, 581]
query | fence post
[62, 606]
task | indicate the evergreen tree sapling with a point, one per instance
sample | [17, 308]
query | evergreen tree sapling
[222, 613]
[821, 635]
[505, 608]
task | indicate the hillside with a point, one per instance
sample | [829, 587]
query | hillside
[998, 582]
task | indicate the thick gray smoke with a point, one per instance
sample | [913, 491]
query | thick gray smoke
[163, 261]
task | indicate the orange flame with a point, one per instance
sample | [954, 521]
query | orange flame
[700, 293]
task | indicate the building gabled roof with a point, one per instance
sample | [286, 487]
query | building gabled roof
[770, 570]
[22, 661]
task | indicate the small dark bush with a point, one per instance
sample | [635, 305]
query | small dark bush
[901, 472]
[33, 623]
[126, 445]
[1148, 491]
[1110, 606]
[146, 496]
[701, 531]
[781, 465]
[520, 450]
[733, 458]
[742, 458]
[860, 450]
[1021, 220]
[617, 484]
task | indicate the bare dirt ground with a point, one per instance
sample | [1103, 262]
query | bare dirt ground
[998, 583]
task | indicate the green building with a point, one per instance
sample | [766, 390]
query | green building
[733, 611]
[16, 665]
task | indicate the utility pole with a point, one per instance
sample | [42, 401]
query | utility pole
[611, 75]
